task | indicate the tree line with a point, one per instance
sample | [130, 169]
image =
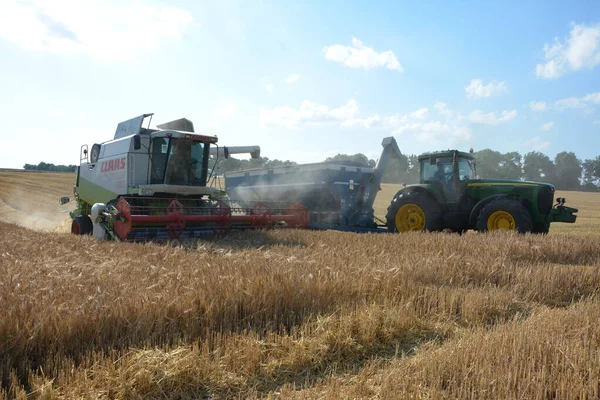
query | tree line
[49, 167]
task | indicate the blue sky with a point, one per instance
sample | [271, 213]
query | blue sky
[304, 80]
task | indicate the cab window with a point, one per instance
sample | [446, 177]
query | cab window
[466, 169]
[440, 170]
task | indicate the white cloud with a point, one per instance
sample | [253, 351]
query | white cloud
[292, 78]
[309, 113]
[552, 69]
[479, 117]
[447, 132]
[592, 98]
[369, 122]
[569, 102]
[395, 120]
[421, 113]
[547, 127]
[414, 123]
[360, 56]
[536, 144]
[585, 102]
[269, 87]
[538, 106]
[477, 90]
[434, 126]
[580, 50]
[106, 31]
[442, 109]
[435, 132]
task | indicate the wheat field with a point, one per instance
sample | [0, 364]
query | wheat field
[294, 314]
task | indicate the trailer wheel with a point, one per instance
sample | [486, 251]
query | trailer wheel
[81, 225]
[414, 211]
[504, 214]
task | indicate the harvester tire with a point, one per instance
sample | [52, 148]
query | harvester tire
[81, 225]
[414, 211]
[504, 214]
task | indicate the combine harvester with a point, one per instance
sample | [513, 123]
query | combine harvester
[151, 183]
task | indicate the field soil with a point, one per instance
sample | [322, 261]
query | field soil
[294, 314]
[30, 199]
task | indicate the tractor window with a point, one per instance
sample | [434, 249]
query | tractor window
[466, 169]
[185, 163]
[439, 171]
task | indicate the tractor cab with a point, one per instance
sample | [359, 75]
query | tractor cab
[448, 172]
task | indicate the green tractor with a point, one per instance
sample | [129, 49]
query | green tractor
[449, 197]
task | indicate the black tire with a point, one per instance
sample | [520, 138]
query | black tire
[81, 225]
[430, 211]
[541, 228]
[504, 214]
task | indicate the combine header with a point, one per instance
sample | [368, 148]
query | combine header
[151, 183]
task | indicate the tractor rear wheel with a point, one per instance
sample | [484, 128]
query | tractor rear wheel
[504, 214]
[81, 225]
[414, 211]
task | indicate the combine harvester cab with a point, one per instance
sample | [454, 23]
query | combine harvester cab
[337, 195]
[151, 184]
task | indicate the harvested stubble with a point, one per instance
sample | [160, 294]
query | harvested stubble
[297, 313]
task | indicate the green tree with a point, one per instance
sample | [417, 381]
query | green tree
[43, 166]
[358, 157]
[568, 171]
[591, 174]
[511, 167]
[538, 167]
[489, 163]
[232, 164]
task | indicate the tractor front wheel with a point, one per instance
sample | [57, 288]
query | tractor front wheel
[81, 225]
[504, 214]
[412, 212]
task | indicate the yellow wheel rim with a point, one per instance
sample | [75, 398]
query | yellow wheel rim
[410, 217]
[501, 220]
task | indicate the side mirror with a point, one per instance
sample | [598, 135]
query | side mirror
[137, 143]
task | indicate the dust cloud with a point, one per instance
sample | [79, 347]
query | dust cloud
[33, 210]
